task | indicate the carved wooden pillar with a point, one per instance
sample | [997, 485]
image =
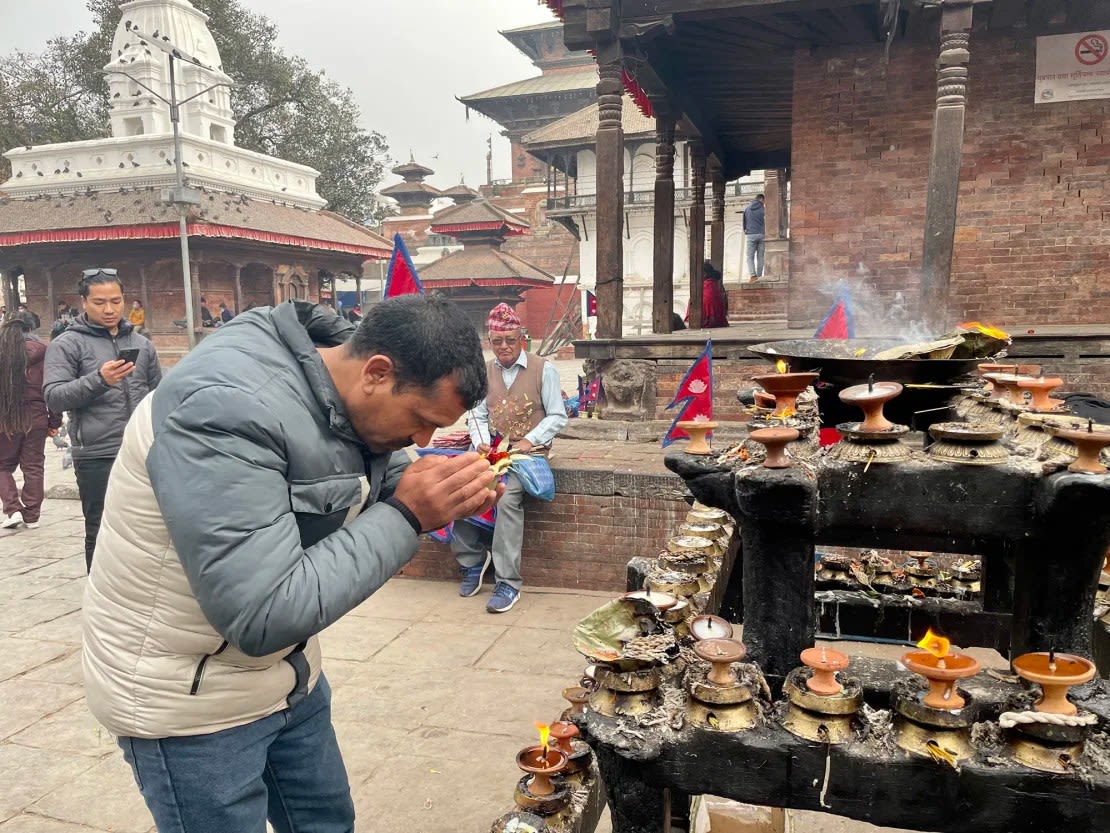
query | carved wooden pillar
[610, 200]
[944, 166]
[696, 229]
[194, 274]
[239, 288]
[144, 297]
[662, 299]
[51, 303]
[717, 221]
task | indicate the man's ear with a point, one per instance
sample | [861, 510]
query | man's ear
[378, 371]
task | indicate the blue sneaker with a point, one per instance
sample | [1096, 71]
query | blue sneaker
[472, 576]
[503, 598]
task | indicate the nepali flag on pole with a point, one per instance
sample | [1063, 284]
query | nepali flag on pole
[838, 323]
[694, 396]
[402, 278]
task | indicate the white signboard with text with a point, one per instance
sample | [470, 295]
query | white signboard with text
[1073, 67]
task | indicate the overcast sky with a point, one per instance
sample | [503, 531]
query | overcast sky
[406, 60]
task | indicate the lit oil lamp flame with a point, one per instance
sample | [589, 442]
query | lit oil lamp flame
[781, 366]
[985, 329]
[545, 735]
[787, 413]
[935, 644]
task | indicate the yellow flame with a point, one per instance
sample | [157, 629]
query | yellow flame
[787, 413]
[985, 329]
[935, 644]
[780, 366]
[545, 734]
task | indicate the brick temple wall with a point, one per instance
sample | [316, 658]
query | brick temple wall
[1033, 237]
[584, 538]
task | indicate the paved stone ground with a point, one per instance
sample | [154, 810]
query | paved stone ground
[433, 697]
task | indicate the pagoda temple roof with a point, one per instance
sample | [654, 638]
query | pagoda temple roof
[580, 128]
[412, 170]
[478, 216]
[140, 214]
[461, 193]
[552, 82]
[482, 266]
[411, 188]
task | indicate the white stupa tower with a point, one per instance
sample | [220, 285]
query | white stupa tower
[139, 153]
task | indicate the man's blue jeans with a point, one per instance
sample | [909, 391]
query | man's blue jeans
[285, 767]
[755, 251]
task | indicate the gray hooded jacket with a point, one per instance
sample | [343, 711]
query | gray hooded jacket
[98, 412]
[223, 552]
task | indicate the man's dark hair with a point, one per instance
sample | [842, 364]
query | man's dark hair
[759, 197]
[427, 338]
[96, 277]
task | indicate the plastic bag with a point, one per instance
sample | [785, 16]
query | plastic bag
[535, 475]
[67, 458]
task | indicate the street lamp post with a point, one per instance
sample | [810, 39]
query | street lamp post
[180, 196]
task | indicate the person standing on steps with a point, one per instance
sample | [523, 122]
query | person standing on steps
[99, 370]
[755, 231]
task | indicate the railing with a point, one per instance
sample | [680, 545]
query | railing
[588, 202]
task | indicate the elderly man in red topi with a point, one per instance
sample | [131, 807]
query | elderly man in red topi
[525, 407]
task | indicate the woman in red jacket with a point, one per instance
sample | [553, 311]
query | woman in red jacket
[25, 422]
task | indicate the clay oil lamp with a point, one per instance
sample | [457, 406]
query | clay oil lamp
[578, 696]
[785, 387]
[1007, 386]
[565, 738]
[775, 440]
[1055, 674]
[699, 430]
[942, 669]
[823, 664]
[871, 398]
[1040, 388]
[938, 723]
[540, 791]
[708, 626]
[1089, 444]
[718, 700]
[711, 532]
[922, 572]
[876, 438]
[821, 706]
[691, 545]
[702, 514]
[1055, 744]
[835, 571]
[660, 601]
[1031, 431]
[987, 368]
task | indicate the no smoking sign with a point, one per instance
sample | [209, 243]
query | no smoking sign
[1091, 49]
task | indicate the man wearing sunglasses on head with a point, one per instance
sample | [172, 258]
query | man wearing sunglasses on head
[98, 370]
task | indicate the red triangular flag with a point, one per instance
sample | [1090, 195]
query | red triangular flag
[838, 321]
[694, 395]
[402, 278]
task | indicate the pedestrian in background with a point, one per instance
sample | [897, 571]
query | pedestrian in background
[755, 231]
[99, 370]
[25, 422]
[137, 316]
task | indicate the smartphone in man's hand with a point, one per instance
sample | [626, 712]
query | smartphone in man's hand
[130, 354]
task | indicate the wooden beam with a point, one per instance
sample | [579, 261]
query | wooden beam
[946, 158]
[689, 9]
[662, 297]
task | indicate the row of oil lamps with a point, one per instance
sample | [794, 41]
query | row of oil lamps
[1000, 409]
[919, 576]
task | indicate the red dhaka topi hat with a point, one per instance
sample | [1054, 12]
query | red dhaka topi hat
[503, 319]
